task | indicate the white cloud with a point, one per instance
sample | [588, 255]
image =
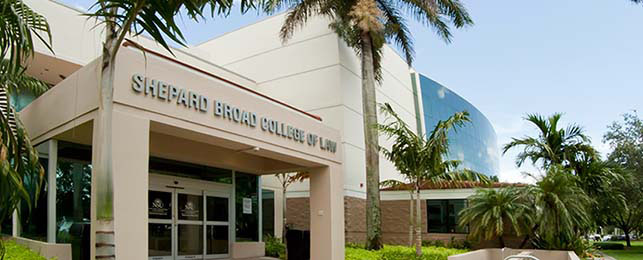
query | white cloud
[442, 92]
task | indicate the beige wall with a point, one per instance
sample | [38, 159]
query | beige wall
[138, 116]
[317, 72]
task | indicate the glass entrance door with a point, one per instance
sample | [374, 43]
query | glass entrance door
[188, 223]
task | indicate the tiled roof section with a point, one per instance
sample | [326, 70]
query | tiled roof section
[456, 185]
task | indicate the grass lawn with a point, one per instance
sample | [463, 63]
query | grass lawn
[634, 253]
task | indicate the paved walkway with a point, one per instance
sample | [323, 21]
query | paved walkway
[261, 258]
[606, 257]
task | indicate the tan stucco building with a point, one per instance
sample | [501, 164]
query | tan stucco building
[190, 141]
[207, 127]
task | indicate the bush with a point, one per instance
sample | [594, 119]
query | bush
[435, 243]
[353, 253]
[609, 246]
[401, 253]
[274, 247]
[14, 251]
[459, 244]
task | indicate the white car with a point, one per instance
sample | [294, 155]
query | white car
[607, 237]
[595, 237]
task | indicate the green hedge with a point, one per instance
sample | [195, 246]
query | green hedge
[401, 253]
[609, 246]
[14, 251]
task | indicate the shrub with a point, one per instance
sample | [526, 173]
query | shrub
[14, 251]
[274, 247]
[609, 246]
[401, 253]
[459, 244]
[355, 245]
[353, 253]
[435, 243]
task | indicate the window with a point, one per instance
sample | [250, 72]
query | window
[33, 222]
[188, 170]
[268, 212]
[247, 206]
[73, 193]
[443, 216]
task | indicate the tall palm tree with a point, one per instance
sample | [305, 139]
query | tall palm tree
[490, 211]
[552, 145]
[157, 18]
[365, 25]
[421, 160]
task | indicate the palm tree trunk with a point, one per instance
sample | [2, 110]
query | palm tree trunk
[418, 223]
[411, 222]
[105, 246]
[369, 107]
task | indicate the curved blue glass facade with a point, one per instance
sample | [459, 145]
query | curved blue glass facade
[474, 144]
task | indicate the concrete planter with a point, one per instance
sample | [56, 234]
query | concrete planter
[502, 253]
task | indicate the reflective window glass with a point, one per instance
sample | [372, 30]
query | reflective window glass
[190, 207]
[217, 209]
[159, 205]
[190, 240]
[217, 240]
[160, 239]
[73, 196]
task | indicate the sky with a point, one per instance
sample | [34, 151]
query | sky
[582, 58]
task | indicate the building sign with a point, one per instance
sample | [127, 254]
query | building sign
[247, 206]
[192, 100]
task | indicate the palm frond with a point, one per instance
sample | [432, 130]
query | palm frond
[18, 24]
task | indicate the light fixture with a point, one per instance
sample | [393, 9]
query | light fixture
[254, 149]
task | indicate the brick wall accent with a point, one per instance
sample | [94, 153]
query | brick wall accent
[355, 219]
[298, 213]
[395, 222]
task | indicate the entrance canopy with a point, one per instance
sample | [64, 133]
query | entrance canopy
[185, 109]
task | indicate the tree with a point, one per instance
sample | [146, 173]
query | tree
[624, 208]
[490, 211]
[560, 205]
[552, 146]
[21, 175]
[365, 25]
[286, 179]
[421, 160]
[133, 17]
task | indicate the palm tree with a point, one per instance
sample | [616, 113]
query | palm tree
[561, 209]
[133, 17]
[421, 160]
[21, 175]
[552, 145]
[365, 25]
[489, 211]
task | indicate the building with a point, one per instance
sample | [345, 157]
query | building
[189, 142]
[321, 75]
[246, 84]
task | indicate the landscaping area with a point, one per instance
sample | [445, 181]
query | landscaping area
[633, 253]
[14, 251]
[401, 252]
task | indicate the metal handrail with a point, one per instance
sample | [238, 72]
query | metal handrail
[521, 257]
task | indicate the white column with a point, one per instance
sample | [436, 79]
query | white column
[15, 224]
[52, 165]
[326, 213]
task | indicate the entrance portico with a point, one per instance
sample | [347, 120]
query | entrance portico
[186, 110]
